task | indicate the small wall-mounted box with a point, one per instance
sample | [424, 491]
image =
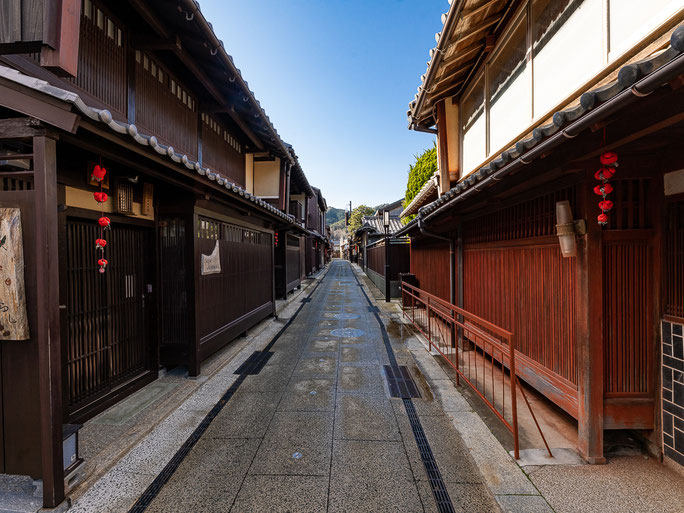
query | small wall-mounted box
[71, 460]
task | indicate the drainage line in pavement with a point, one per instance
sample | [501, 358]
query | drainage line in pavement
[437, 485]
[163, 477]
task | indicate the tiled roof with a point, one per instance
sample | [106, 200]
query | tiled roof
[428, 189]
[375, 223]
[104, 117]
[638, 78]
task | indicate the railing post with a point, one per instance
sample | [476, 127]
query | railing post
[514, 395]
[427, 307]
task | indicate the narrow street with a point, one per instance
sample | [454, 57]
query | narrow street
[315, 429]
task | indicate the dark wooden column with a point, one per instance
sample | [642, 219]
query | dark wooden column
[47, 319]
[590, 328]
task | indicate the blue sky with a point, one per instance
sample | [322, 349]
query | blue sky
[335, 77]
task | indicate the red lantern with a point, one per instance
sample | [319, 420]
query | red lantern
[603, 189]
[605, 173]
[99, 173]
[104, 222]
[100, 244]
[609, 158]
[100, 197]
[603, 219]
[103, 264]
[605, 205]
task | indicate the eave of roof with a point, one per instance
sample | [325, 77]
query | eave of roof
[489, 19]
[638, 79]
[428, 188]
[104, 117]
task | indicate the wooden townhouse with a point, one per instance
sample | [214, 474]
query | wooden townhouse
[135, 166]
[316, 241]
[558, 211]
[370, 239]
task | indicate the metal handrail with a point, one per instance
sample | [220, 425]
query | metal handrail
[476, 347]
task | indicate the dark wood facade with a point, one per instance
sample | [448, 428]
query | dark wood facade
[175, 144]
[587, 328]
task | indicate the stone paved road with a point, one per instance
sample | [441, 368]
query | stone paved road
[316, 430]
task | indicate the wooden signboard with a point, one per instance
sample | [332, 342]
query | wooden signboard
[13, 319]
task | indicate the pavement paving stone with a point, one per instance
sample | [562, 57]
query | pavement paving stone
[304, 394]
[365, 417]
[322, 346]
[316, 366]
[371, 476]
[360, 379]
[208, 479]
[271, 378]
[296, 443]
[246, 415]
[358, 354]
[282, 494]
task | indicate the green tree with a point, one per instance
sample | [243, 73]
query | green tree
[356, 217]
[419, 173]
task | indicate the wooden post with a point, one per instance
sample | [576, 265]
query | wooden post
[47, 320]
[590, 329]
[443, 150]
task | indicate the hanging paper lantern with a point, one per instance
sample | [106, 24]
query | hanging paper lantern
[99, 173]
[605, 205]
[100, 244]
[100, 197]
[609, 161]
[603, 189]
[103, 264]
[605, 173]
[609, 158]
[104, 222]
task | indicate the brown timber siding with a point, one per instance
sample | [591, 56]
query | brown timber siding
[230, 302]
[221, 152]
[515, 277]
[399, 259]
[430, 265]
[102, 68]
[164, 108]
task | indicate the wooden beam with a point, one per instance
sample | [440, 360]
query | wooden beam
[466, 13]
[51, 111]
[453, 74]
[460, 54]
[484, 24]
[19, 128]
[152, 19]
[152, 43]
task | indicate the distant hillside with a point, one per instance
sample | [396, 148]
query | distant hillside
[334, 215]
